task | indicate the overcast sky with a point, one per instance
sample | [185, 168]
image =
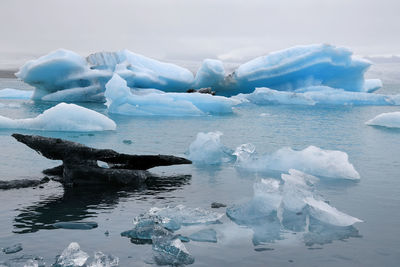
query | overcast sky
[193, 29]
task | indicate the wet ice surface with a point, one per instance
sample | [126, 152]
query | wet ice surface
[29, 215]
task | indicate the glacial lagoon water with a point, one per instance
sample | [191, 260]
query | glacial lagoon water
[27, 215]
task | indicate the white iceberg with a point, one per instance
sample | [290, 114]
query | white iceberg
[303, 66]
[389, 120]
[10, 93]
[317, 95]
[63, 117]
[121, 100]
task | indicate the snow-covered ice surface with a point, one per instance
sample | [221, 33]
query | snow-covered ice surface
[62, 117]
[121, 100]
[389, 120]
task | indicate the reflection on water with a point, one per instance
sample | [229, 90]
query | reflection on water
[80, 203]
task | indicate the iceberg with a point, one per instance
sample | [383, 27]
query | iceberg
[303, 66]
[317, 95]
[288, 206]
[121, 100]
[208, 149]
[171, 251]
[210, 74]
[10, 93]
[389, 120]
[72, 256]
[62, 117]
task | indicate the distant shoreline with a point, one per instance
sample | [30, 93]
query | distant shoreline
[7, 73]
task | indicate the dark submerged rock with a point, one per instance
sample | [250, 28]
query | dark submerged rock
[22, 183]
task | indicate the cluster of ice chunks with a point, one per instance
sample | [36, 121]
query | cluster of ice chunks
[63, 75]
[157, 227]
[24, 261]
[317, 95]
[388, 120]
[292, 205]
[208, 149]
[62, 117]
[73, 256]
[121, 100]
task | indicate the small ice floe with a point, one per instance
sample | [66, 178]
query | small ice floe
[204, 235]
[13, 249]
[291, 205]
[63, 117]
[76, 225]
[10, 93]
[389, 120]
[73, 256]
[169, 250]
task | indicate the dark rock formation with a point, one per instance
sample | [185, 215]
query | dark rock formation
[22, 183]
[207, 90]
[80, 163]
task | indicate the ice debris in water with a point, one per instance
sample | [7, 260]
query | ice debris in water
[389, 120]
[76, 225]
[204, 235]
[103, 260]
[10, 93]
[72, 256]
[317, 95]
[289, 205]
[24, 261]
[121, 100]
[170, 250]
[208, 149]
[183, 215]
[62, 117]
[13, 249]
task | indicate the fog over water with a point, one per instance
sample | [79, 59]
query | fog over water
[192, 29]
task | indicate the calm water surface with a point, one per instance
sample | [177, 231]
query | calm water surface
[26, 215]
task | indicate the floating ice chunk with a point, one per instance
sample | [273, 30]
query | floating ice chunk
[389, 120]
[211, 74]
[303, 66]
[312, 160]
[328, 214]
[72, 256]
[145, 228]
[208, 149]
[205, 235]
[187, 216]
[63, 117]
[121, 100]
[171, 251]
[13, 249]
[76, 225]
[24, 261]
[317, 95]
[244, 152]
[103, 260]
[9, 93]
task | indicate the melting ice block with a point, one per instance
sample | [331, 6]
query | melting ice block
[72, 256]
[103, 260]
[171, 251]
[389, 120]
[63, 117]
[317, 95]
[303, 66]
[121, 100]
[208, 149]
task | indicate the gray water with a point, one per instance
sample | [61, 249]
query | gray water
[26, 215]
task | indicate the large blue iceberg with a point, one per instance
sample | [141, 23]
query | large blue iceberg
[64, 75]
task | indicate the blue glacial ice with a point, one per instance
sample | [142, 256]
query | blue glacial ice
[317, 95]
[389, 120]
[169, 250]
[10, 93]
[62, 117]
[204, 235]
[304, 66]
[207, 148]
[63, 75]
[121, 100]
[290, 205]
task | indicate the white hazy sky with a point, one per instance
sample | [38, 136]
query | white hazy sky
[194, 29]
